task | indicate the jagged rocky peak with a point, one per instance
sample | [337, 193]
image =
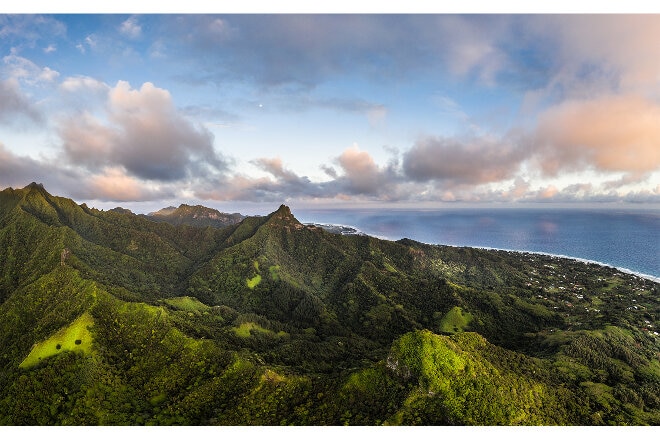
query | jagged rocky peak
[283, 213]
[35, 185]
[284, 217]
[35, 191]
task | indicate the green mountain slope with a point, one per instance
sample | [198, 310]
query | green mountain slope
[272, 322]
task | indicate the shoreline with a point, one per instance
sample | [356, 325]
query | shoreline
[568, 257]
[357, 231]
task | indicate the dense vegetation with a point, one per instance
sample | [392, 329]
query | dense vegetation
[272, 322]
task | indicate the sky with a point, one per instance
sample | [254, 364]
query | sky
[336, 110]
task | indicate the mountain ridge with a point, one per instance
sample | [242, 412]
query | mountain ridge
[197, 215]
[268, 321]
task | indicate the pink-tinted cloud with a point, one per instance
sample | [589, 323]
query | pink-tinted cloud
[142, 132]
[361, 172]
[609, 134]
[623, 46]
[114, 184]
[360, 178]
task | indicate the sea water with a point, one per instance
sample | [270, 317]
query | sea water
[627, 239]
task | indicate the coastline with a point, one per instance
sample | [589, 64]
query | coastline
[568, 257]
[356, 231]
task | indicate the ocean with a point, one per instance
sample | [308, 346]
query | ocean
[628, 239]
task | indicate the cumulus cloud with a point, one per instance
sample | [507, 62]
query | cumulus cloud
[142, 132]
[361, 173]
[616, 133]
[453, 161]
[360, 177]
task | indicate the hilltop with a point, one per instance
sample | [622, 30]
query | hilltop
[107, 317]
[195, 216]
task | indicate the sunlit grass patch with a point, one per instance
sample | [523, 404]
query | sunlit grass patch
[253, 282]
[187, 304]
[455, 321]
[75, 337]
[244, 330]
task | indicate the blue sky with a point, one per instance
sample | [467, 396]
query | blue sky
[332, 110]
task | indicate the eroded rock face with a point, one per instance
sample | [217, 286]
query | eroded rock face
[63, 256]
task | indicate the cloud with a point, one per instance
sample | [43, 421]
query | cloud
[14, 105]
[82, 84]
[301, 49]
[90, 41]
[275, 167]
[115, 185]
[622, 45]
[469, 46]
[16, 170]
[142, 132]
[615, 133]
[581, 57]
[361, 173]
[111, 184]
[130, 27]
[471, 161]
[23, 30]
[361, 178]
[26, 71]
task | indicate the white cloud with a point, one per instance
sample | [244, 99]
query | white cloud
[131, 28]
[24, 70]
[77, 84]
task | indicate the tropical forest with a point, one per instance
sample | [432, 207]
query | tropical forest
[190, 316]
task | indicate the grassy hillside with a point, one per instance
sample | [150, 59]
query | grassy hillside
[272, 322]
